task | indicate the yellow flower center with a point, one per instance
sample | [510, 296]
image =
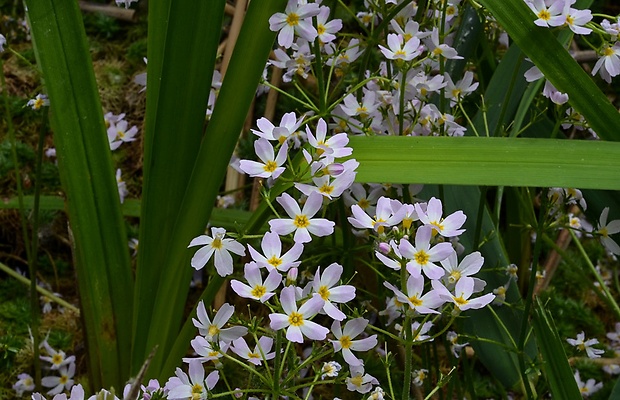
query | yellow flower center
[301, 221]
[213, 330]
[407, 223]
[608, 52]
[400, 53]
[217, 243]
[326, 188]
[57, 359]
[570, 20]
[603, 231]
[545, 15]
[320, 29]
[38, 103]
[345, 341]
[120, 134]
[324, 292]
[292, 19]
[363, 203]
[421, 257]
[258, 291]
[63, 379]
[437, 51]
[454, 276]
[274, 261]
[254, 355]
[357, 380]
[296, 319]
[270, 166]
[415, 301]
[460, 301]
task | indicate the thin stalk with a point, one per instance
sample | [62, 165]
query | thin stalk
[32, 260]
[603, 287]
[34, 300]
[40, 289]
[408, 358]
[482, 202]
[276, 364]
[530, 290]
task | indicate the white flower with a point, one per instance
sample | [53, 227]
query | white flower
[121, 185]
[119, 134]
[212, 331]
[401, 49]
[257, 290]
[359, 381]
[605, 229]
[56, 358]
[549, 12]
[297, 321]
[609, 63]
[194, 386]
[589, 387]
[2, 43]
[39, 101]
[324, 285]
[295, 19]
[218, 245]
[25, 383]
[344, 340]
[271, 165]
[301, 221]
[330, 369]
[463, 290]
[261, 350]
[584, 345]
[62, 382]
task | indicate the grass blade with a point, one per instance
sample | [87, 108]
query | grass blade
[487, 161]
[97, 226]
[555, 365]
[238, 89]
[182, 44]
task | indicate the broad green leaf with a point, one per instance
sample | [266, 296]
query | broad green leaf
[238, 89]
[561, 69]
[555, 362]
[488, 161]
[101, 254]
[182, 43]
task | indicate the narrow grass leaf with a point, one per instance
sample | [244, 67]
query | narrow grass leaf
[488, 161]
[555, 362]
[238, 89]
[182, 45]
[101, 254]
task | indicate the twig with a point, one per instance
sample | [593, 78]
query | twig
[125, 14]
[40, 289]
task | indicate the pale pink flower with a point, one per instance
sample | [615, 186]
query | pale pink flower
[401, 49]
[609, 63]
[549, 12]
[60, 383]
[359, 381]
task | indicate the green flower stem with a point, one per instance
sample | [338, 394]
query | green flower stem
[248, 367]
[408, 358]
[224, 394]
[276, 365]
[318, 72]
[540, 229]
[603, 287]
[294, 373]
[314, 382]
